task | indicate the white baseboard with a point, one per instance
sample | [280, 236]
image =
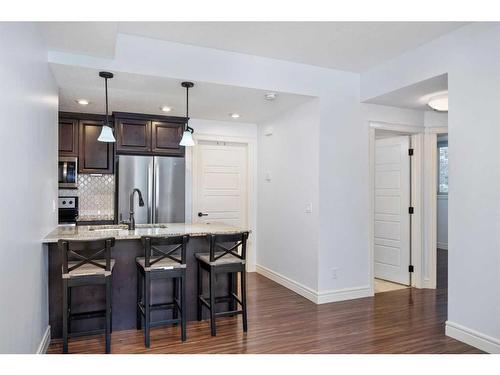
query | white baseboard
[298, 288]
[442, 245]
[344, 294]
[469, 336]
[44, 344]
[313, 295]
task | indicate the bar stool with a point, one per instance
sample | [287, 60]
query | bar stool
[164, 258]
[223, 259]
[81, 266]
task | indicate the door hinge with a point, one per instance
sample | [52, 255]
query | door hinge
[410, 151]
[411, 268]
[410, 210]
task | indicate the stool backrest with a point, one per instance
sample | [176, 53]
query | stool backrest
[86, 251]
[158, 248]
[228, 244]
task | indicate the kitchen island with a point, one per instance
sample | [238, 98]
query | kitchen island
[127, 247]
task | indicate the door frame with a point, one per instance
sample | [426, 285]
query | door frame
[192, 183]
[430, 205]
[417, 135]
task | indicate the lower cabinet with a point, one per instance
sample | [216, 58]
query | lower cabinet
[94, 156]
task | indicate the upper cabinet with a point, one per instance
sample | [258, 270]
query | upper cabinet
[94, 156]
[133, 135]
[78, 133]
[148, 134]
[68, 137]
[166, 137]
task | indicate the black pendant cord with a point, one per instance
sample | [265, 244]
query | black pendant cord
[106, 88]
[106, 76]
[187, 85]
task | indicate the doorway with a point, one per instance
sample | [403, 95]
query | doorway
[220, 179]
[395, 176]
[442, 212]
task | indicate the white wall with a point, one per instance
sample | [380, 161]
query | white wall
[471, 58]
[392, 115]
[28, 150]
[288, 180]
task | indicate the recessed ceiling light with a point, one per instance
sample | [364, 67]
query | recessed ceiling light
[270, 96]
[234, 115]
[83, 101]
[439, 103]
[166, 108]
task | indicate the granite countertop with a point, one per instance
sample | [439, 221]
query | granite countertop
[121, 232]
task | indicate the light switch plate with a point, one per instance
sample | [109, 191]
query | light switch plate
[309, 208]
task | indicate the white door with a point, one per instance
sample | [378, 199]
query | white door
[221, 183]
[392, 200]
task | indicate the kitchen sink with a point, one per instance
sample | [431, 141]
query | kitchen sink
[103, 228]
[107, 228]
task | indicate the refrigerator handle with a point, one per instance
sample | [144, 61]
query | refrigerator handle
[150, 192]
[156, 191]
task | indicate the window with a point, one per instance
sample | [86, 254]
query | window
[443, 167]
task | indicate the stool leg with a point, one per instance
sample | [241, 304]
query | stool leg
[147, 308]
[69, 310]
[65, 315]
[108, 314]
[183, 308]
[200, 294]
[138, 321]
[212, 301]
[175, 312]
[232, 289]
[111, 306]
[244, 298]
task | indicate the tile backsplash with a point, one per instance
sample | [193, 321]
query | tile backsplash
[96, 196]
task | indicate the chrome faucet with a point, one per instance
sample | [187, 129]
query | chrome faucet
[131, 219]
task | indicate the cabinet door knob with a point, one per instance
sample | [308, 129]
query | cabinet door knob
[200, 214]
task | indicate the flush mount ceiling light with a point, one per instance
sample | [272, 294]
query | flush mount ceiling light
[234, 115]
[166, 108]
[270, 96]
[106, 132]
[187, 136]
[439, 103]
[83, 101]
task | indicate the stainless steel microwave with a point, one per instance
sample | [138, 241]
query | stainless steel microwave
[68, 172]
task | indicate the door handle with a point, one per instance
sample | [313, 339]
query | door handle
[200, 214]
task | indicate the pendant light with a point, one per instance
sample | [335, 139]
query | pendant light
[187, 136]
[106, 132]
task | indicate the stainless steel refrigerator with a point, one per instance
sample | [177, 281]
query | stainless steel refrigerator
[161, 180]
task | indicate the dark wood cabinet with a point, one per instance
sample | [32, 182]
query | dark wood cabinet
[133, 135]
[166, 137]
[68, 137]
[143, 134]
[94, 156]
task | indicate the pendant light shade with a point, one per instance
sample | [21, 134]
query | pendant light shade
[187, 137]
[106, 131]
[106, 135]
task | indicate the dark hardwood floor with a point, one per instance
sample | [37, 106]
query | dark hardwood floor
[280, 321]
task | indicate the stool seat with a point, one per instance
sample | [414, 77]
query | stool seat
[226, 259]
[163, 264]
[88, 269]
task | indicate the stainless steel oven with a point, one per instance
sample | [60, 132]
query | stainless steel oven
[68, 172]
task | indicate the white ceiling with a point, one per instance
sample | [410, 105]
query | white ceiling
[415, 96]
[351, 46]
[146, 94]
